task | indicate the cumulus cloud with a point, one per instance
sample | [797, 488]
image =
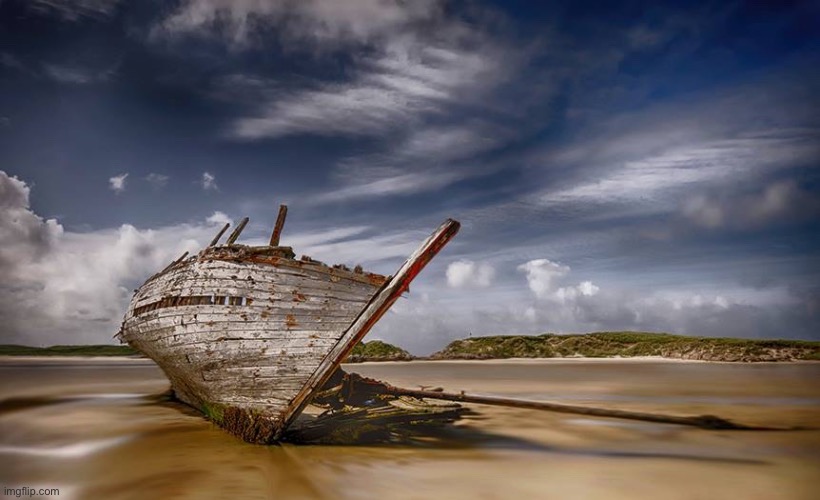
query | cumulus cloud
[469, 274]
[64, 287]
[542, 275]
[117, 183]
[218, 218]
[209, 182]
[431, 317]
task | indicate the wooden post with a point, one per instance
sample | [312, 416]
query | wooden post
[219, 234]
[277, 229]
[236, 232]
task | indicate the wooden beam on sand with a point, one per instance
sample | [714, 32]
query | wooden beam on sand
[701, 421]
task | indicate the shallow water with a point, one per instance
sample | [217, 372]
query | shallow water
[95, 429]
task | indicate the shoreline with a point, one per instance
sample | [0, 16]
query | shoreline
[7, 358]
[576, 359]
[555, 360]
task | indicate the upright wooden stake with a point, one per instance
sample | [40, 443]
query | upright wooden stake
[219, 234]
[236, 232]
[277, 229]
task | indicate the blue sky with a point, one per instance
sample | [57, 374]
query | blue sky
[643, 165]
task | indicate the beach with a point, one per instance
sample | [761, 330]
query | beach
[99, 428]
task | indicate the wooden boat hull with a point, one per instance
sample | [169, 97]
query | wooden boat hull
[248, 334]
[255, 348]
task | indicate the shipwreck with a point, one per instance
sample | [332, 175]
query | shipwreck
[250, 336]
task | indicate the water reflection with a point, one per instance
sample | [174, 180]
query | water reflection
[110, 431]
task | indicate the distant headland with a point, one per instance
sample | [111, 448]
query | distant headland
[629, 344]
[548, 345]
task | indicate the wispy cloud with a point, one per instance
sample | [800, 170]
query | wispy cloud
[389, 186]
[410, 79]
[117, 183]
[315, 21]
[76, 10]
[157, 181]
[654, 158]
[781, 201]
[208, 182]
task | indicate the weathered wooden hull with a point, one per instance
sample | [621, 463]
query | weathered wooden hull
[253, 350]
[248, 334]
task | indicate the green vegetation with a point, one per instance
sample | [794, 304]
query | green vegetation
[376, 350]
[68, 350]
[629, 344]
[214, 412]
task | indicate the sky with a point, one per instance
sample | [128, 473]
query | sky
[633, 166]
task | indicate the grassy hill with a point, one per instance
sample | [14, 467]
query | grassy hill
[628, 344]
[67, 350]
[376, 350]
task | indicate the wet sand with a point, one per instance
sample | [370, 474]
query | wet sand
[95, 429]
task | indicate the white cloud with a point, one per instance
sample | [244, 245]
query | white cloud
[781, 201]
[411, 69]
[218, 218]
[316, 21]
[570, 293]
[117, 183]
[158, 181]
[390, 186]
[62, 287]
[426, 159]
[72, 288]
[409, 79]
[542, 275]
[654, 159]
[209, 182]
[469, 274]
